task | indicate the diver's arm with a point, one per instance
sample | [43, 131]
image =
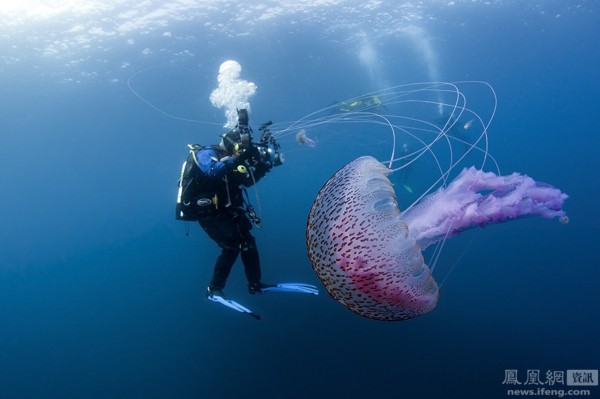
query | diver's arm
[209, 163]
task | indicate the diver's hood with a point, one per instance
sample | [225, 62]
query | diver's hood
[236, 140]
[231, 140]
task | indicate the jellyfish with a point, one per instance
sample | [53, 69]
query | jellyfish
[365, 243]
[303, 139]
[368, 253]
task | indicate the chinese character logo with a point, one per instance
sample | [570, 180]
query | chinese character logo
[582, 377]
[510, 377]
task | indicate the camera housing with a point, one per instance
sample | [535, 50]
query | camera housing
[243, 118]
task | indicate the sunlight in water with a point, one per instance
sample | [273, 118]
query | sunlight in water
[15, 12]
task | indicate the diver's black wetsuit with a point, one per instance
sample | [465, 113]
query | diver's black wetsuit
[231, 231]
[223, 218]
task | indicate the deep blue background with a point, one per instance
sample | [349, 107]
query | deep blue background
[102, 293]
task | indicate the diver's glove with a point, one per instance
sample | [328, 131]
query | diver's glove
[233, 164]
[230, 161]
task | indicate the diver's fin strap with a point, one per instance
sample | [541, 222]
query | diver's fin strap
[233, 305]
[291, 287]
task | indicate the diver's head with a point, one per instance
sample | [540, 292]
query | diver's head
[231, 141]
[240, 138]
[236, 140]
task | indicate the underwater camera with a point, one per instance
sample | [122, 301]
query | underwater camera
[268, 147]
[242, 117]
[244, 129]
[269, 155]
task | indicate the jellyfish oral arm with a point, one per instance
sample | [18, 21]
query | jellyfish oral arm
[476, 199]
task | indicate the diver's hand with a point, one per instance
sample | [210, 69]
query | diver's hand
[230, 161]
[230, 158]
[237, 156]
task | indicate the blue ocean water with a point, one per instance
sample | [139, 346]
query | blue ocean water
[102, 292]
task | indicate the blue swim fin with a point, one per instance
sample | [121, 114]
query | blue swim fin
[289, 287]
[232, 305]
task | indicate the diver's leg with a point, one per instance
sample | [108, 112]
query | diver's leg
[251, 260]
[223, 231]
[249, 253]
[223, 267]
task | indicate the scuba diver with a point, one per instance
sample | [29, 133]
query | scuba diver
[212, 190]
[362, 104]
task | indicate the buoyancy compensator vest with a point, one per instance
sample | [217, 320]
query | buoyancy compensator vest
[197, 195]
